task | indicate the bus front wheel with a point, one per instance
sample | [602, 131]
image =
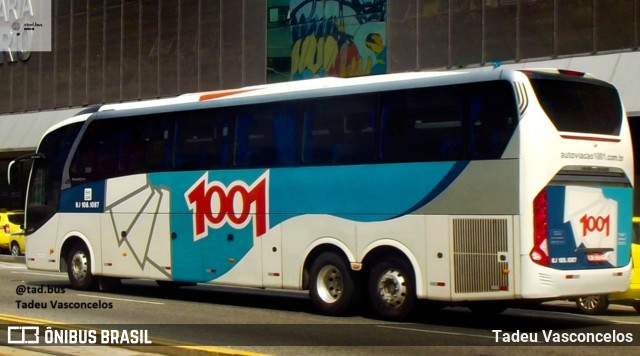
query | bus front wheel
[331, 285]
[392, 289]
[79, 268]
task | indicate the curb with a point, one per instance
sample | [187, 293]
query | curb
[162, 346]
[191, 350]
[12, 259]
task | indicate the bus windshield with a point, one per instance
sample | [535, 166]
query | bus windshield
[46, 176]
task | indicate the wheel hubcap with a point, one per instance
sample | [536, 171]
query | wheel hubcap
[15, 250]
[392, 288]
[329, 284]
[79, 266]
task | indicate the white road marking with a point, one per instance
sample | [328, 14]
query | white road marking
[623, 322]
[120, 299]
[42, 274]
[434, 331]
[7, 265]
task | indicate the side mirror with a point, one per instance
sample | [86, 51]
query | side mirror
[11, 172]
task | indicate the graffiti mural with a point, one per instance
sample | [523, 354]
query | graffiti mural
[341, 38]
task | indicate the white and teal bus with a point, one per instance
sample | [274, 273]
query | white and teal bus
[497, 186]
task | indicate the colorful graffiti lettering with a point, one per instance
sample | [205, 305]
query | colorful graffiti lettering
[342, 38]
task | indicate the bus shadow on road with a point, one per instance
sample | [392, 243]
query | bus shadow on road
[557, 316]
[220, 295]
[529, 319]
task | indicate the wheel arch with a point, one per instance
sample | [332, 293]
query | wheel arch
[71, 240]
[380, 249]
[320, 246]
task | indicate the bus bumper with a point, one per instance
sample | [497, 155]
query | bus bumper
[552, 283]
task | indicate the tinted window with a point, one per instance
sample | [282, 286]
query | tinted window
[122, 146]
[492, 119]
[587, 106]
[470, 121]
[46, 177]
[266, 136]
[467, 121]
[202, 141]
[422, 125]
[339, 130]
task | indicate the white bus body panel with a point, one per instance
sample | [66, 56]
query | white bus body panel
[539, 163]
[135, 229]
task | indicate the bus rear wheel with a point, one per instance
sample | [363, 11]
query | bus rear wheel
[392, 289]
[79, 268]
[331, 286]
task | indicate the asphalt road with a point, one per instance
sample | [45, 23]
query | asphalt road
[285, 323]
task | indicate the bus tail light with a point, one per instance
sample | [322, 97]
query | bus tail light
[540, 252]
[573, 73]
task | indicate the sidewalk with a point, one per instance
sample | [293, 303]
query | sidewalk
[71, 350]
[12, 259]
[119, 351]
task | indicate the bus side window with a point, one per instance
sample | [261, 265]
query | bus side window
[339, 130]
[144, 145]
[389, 133]
[491, 120]
[254, 141]
[317, 141]
[357, 136]
[131, 152]
[200, 140]
[286, 134]
[95, 157]
[158, 136]
[421, 125]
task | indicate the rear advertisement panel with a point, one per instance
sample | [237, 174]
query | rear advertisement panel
[589, 226]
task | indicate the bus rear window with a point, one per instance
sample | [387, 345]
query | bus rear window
[580, 105]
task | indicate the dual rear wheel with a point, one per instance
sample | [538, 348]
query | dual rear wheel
[390, 286]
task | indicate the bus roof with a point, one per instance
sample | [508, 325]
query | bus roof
[316, 87]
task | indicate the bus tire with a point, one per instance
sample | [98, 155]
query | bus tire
[331, 286]
[79, 268]
[593, 304]
[392, 289]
